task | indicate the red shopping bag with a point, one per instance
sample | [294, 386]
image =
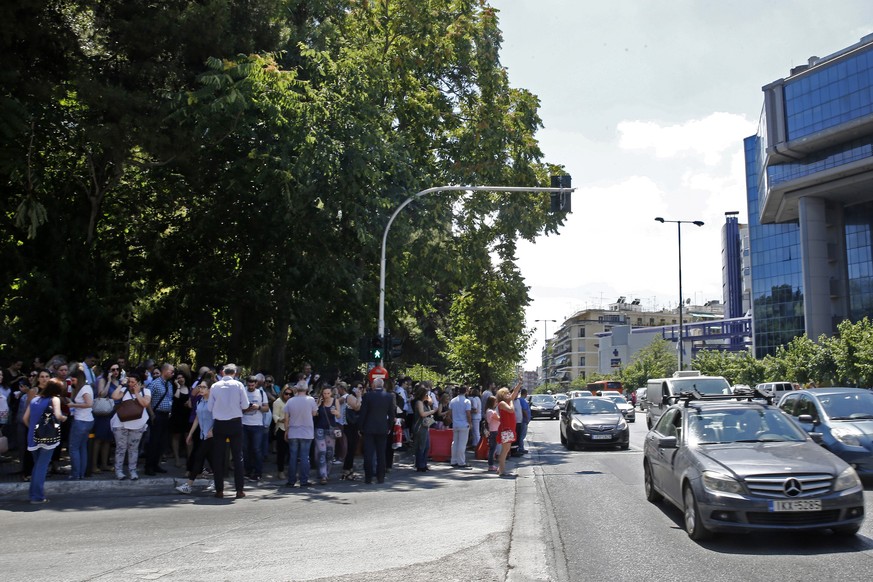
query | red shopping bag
[482, 449]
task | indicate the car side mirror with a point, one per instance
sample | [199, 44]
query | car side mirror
[817, 437]
[667, 442]
[806, 419]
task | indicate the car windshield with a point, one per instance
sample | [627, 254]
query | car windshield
[593, 406]
[542, 399]
[709, 386]
[617, 399]
[854, 405]
[755, 425]
[561, 397]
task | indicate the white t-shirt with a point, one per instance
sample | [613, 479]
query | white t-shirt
[459, 406]
[255, 417]
[136, 424]
[476, 408]
[83, 414]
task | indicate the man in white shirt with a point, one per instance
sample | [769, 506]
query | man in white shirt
[227, 402]
[461, 419]
[299, 432]
[475, 416]
[254, 430]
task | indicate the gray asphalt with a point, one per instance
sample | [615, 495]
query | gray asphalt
[569, 516]
[604, 529]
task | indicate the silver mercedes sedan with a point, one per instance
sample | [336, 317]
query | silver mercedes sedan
[744, 466]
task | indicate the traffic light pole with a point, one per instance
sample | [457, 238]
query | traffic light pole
[418, 195]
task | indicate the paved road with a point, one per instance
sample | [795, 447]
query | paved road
[602, 528]
[570, 516]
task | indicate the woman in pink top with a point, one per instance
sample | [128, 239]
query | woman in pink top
[492, 418]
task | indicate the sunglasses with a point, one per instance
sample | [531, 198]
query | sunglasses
[286, 394]
[113, 369]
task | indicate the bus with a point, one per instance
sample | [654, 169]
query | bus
[602, 386]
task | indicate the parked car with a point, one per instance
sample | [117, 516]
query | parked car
[843, 417]
[593, 421]
[627, 409]
[745, 466]
[544, 405]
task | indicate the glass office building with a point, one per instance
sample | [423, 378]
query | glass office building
[809, 182]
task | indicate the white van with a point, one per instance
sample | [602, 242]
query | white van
[659, 390]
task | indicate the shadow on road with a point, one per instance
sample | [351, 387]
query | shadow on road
[786, 543]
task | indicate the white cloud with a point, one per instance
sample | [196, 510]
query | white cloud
[706, 139]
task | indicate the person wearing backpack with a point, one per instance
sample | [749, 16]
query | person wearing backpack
[43, 418]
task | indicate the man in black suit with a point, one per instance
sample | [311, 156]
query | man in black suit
[375, 419]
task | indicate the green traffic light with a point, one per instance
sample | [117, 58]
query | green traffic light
[377, 354]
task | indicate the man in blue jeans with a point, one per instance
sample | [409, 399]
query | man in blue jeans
[253, 430]
[299, 432]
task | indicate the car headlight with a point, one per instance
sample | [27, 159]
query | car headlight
[721, 483]
[577, 425]
[621, 425]
[848, 435]
[847, 480]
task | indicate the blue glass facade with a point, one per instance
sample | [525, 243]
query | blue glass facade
[777, 283]
[829, 95]
[859, 260]
[812, 160]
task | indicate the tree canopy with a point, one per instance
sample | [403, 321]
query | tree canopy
[210, 181]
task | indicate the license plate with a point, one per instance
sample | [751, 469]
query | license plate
[796, 505]
[601, 437]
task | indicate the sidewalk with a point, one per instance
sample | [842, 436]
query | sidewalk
[12, 488]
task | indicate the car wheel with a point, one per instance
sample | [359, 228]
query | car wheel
[648, 422]
[652, 496]
[693, 523]
[847, 530]
[625, 446]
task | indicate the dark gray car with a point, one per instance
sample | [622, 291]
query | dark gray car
[593, 421]
[742, 466]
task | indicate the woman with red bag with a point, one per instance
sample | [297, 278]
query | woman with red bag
[506, 433]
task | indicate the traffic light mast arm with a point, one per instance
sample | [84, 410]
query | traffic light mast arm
[417, 195]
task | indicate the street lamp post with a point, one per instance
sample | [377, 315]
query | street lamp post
[679, 224]
[418, 195]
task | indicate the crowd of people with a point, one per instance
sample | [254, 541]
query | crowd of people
[166, 411]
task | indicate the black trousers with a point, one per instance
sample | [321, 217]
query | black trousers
[374, 445]
[281, 450]
[202, 450]
[351, 431]
[224, 431]
[158, 434]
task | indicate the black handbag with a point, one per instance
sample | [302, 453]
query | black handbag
[47, 430]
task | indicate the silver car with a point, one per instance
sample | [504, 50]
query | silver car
[743, 466]
[627, 409]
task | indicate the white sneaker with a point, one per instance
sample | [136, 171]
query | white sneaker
[210, 488]
[184, 488]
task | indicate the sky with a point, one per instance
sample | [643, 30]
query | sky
[646, 104]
